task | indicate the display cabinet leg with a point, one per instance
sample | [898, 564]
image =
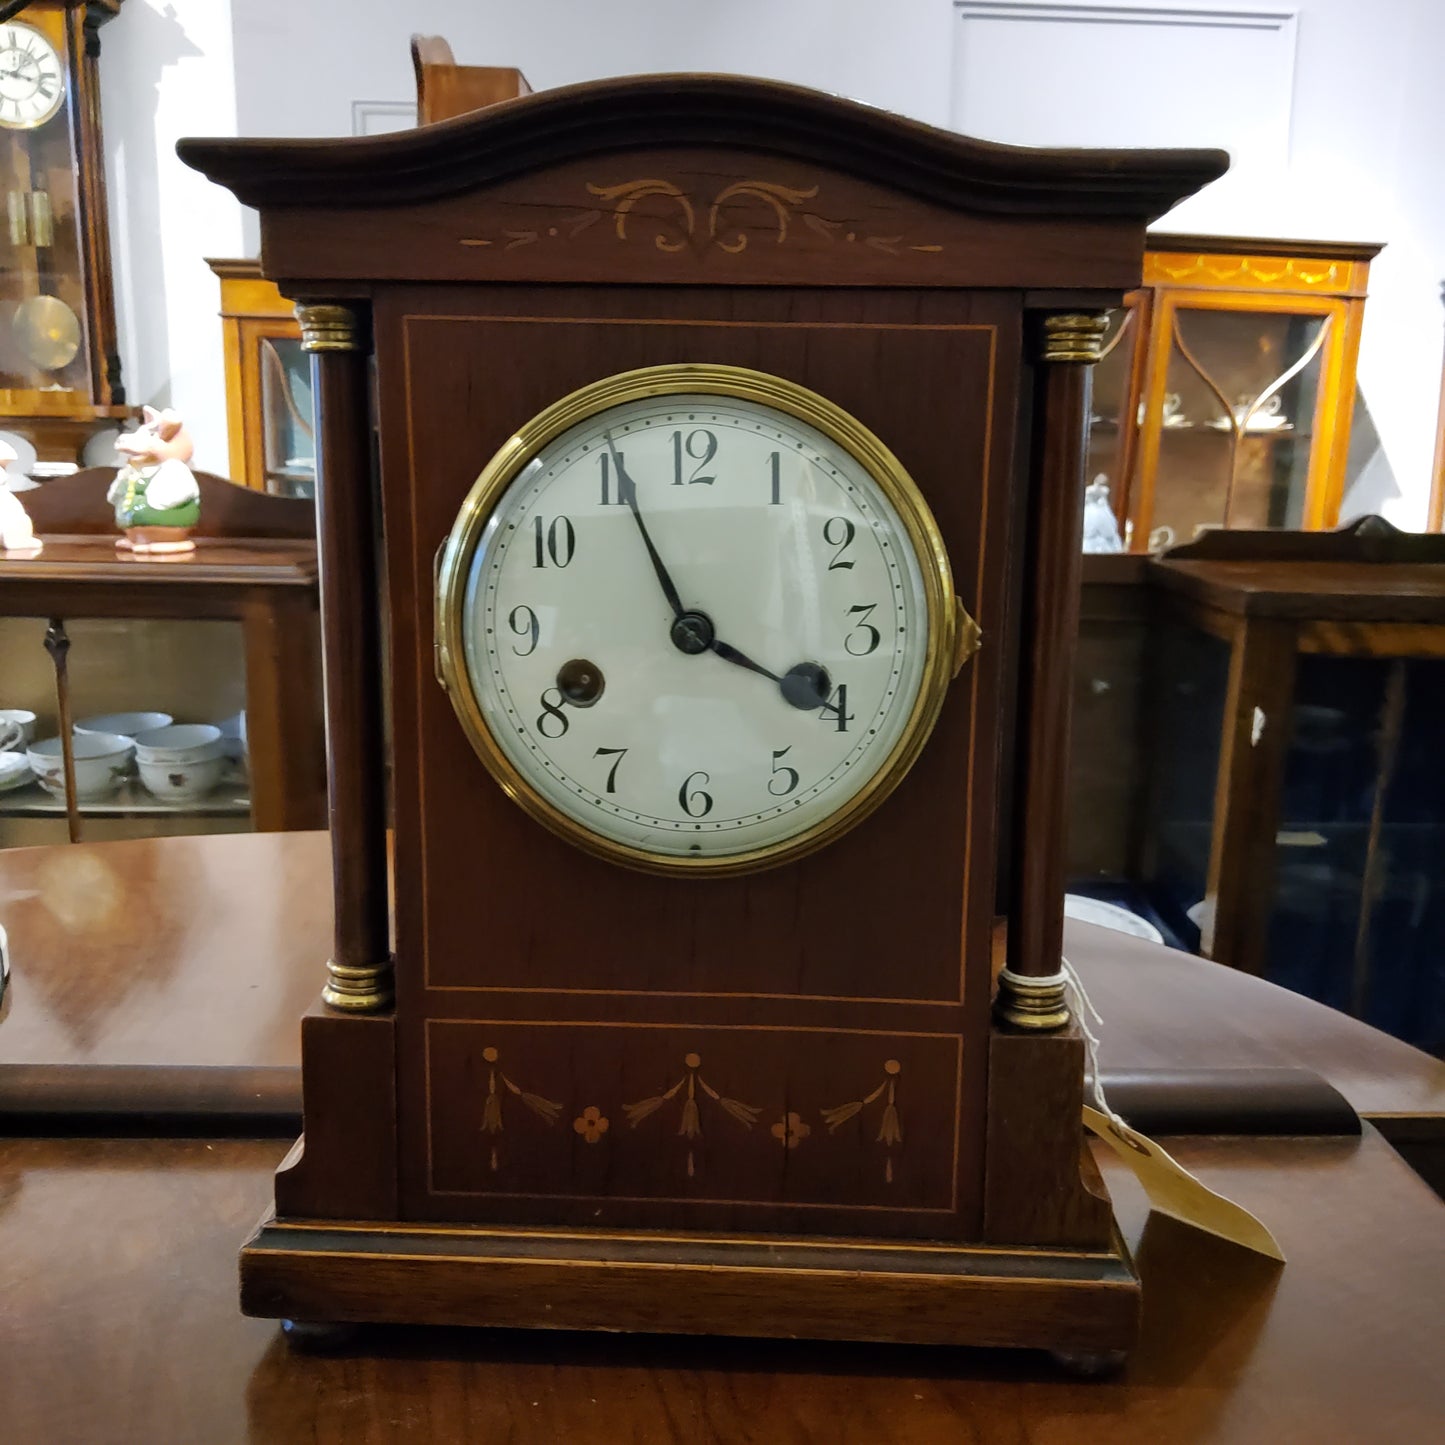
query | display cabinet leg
[320, 1337]
[57, 644]
[1089, 1364]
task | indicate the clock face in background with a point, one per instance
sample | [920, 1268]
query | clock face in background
[32, 78]
[696, 618]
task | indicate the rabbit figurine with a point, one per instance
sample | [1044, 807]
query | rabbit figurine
[154, 494]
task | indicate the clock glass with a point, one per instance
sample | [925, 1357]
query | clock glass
[32, 78]
[696, 617]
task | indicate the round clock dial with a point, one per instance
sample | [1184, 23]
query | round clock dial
[696, 618]
[32, 78]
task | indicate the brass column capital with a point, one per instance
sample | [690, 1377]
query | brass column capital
[328, 327]
[1032, 1003]
[1074, 336]
[358, 989]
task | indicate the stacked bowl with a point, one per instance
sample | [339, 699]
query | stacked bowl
[181, 763]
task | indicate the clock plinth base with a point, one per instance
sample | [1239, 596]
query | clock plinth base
[1081, 1302]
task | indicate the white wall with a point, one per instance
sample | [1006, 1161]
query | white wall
[167, 70]
[1362, 117]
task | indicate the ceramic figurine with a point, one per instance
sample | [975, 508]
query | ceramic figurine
[17, 532]
[155, 495]
[1101, 529]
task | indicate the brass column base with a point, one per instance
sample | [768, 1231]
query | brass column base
[365, 989]
[1031, 1003]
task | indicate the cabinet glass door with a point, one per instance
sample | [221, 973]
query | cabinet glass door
[288, 417]
[1234, 429]
[1113, 424]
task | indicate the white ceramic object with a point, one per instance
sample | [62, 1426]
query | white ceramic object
[17, 728]
[102, 761]
[1101, 528]
[1109, 915]
[182, 782]
[179, 743]
[15, 771]
[126, 724]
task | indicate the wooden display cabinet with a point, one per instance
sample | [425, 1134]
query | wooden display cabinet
[270, 419]
[1294, 812]
[233, 623]
[1226, 395]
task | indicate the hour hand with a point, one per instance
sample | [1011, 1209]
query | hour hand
[628, 490]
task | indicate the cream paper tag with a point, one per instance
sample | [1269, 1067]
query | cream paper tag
[1174, 1191]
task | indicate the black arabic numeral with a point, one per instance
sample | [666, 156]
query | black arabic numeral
[778, 773]
[529, 628]
[874, 637]
[686, 799]
[619, 754]
[558, 541]
[839, 709]
[685, 450]
[552, 710]
[624, 482]
[841, 543]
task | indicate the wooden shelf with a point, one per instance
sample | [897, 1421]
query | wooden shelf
[130, 800]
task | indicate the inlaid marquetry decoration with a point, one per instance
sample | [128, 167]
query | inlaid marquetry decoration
[492, 1109]
[1293, 272]
[790, 1130]
[690, 1121]
[890, 1127]
[709, 223]
[591, 1124]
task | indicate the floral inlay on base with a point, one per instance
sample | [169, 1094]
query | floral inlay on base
[690, 1124]
[890, 1128]
[790, 1130]
[544, 1109]
[591, 1124]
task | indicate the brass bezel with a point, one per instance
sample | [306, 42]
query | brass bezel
[23, 125]
[746, 385]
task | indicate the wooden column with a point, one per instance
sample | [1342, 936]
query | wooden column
[1031, 986]
[360, 971]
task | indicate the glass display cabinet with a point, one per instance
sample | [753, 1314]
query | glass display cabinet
[117, 643]
[1295, 825]
[1226, 397]
[270, 418]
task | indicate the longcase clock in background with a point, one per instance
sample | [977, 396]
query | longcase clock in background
[59, 367]
[729, 490]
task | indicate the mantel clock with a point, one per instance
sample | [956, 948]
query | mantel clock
[728, 482]
[59, 366]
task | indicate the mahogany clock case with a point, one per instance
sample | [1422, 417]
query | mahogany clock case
[803, 1051]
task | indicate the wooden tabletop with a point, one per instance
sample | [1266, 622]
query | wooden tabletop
[178, 965]
[1325, 591]
[118, 1322]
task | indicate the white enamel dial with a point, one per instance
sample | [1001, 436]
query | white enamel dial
[696, 626]
[32, 78]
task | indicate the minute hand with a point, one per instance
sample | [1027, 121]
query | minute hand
[628, 489]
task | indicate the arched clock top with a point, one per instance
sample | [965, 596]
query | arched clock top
[719, 112]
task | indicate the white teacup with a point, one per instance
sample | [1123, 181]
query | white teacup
[17, 729]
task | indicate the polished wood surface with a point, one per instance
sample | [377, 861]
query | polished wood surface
[113, 966]
[1046, 667]
[1344, 1345]
[445, 89]
[348, 526]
